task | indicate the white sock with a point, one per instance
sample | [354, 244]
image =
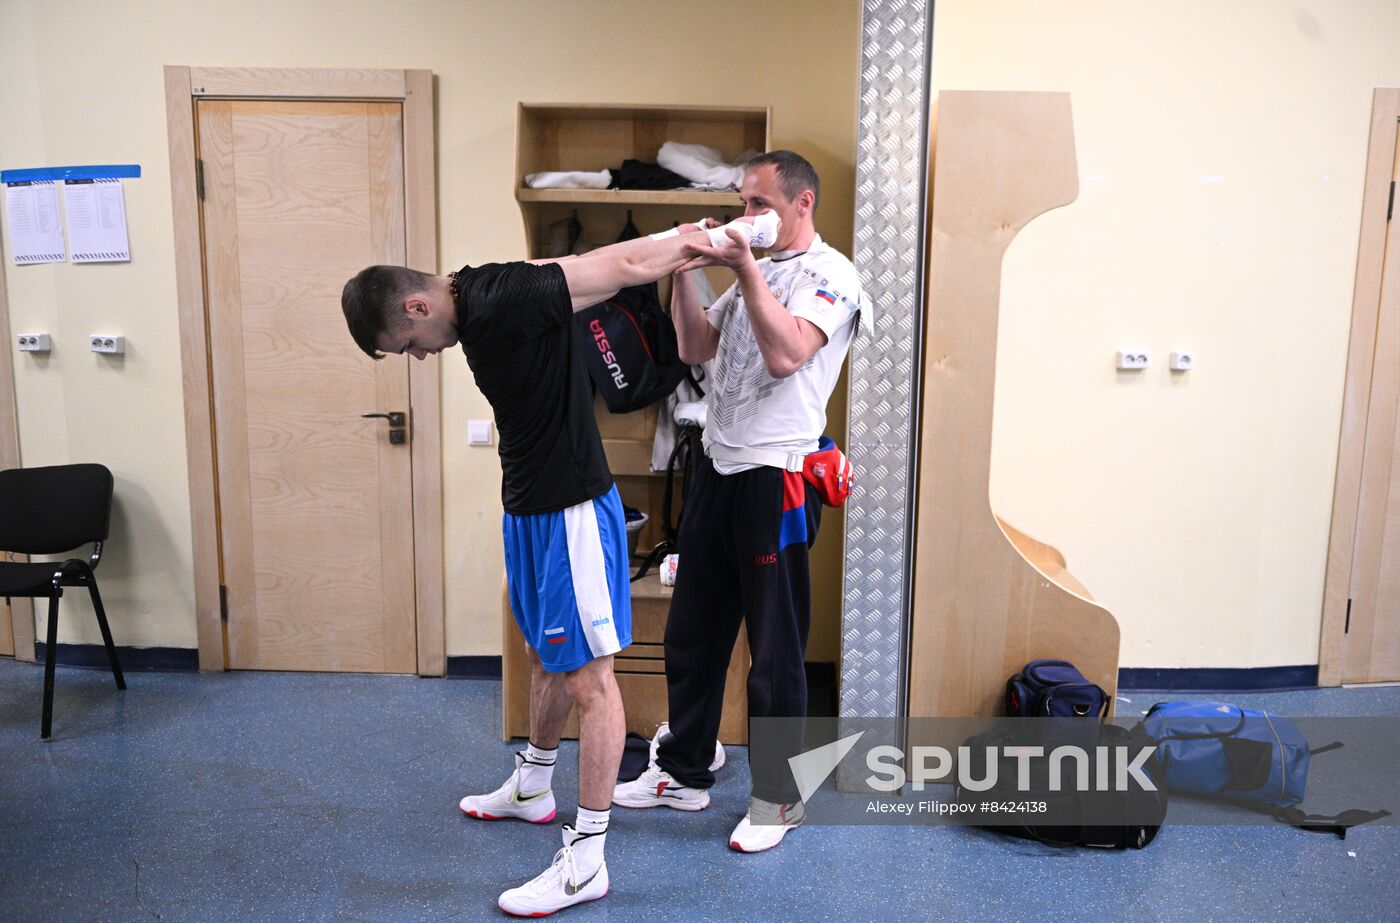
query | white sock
[592, 828]
[537, 773]
[763, 233]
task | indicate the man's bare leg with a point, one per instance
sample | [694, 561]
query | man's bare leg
[602, 731]
[529, 792]
[549, 704]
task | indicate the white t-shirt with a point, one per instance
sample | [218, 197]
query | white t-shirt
[748, 408]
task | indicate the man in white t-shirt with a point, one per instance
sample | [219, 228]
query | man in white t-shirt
[778, 337]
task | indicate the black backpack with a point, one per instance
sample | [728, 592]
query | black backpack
[629, 347]
[1105, 819]
[628, 344]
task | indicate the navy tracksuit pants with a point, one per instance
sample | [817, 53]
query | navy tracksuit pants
[742, 560]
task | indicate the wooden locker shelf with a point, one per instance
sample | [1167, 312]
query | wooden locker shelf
[590, 137]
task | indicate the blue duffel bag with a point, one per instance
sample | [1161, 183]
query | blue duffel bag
[1243, 755]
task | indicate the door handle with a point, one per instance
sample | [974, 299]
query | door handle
[396, 418]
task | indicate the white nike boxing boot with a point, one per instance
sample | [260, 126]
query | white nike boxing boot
[565, 883]
[526, 795]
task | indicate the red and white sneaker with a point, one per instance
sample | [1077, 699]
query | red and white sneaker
[655, 788]
[765, 825]
[509, 801]
[559, 886]
[664, 731]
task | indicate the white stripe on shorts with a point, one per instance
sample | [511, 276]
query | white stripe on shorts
[590, 578]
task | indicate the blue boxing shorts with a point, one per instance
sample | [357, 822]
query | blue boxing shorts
[569, 583]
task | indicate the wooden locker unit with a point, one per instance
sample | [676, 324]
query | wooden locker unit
[987, 598]
[591, 137]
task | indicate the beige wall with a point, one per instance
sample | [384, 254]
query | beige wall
[80, 82]
[1221, 150]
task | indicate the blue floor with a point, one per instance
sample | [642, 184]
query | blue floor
[267, 796]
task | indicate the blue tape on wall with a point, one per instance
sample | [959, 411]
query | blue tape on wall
[110, 171]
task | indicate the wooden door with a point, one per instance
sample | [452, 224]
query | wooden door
[315, 503]
[1372, 630]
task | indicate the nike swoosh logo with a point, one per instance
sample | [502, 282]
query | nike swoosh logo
[575, 889]
[519, 800]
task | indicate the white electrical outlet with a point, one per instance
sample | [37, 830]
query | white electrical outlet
[108, 343]
[478, 432]
[1133, 359]
[1183, 362]
[35, 342]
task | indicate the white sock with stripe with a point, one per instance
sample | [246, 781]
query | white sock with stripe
[537, 772]
[592, 828]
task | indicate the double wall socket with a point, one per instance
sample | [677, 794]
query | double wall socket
[111, 344]
[35, 342]
[1133, 358]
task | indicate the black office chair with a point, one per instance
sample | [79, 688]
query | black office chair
[48, 511]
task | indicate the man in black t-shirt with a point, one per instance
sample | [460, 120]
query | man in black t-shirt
[565, 539]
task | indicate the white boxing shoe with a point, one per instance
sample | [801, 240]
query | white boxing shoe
[765, 825]
[559, 886]
[664, 731]
[509, 801]
[656, 788]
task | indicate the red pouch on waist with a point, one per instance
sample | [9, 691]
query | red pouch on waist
[830, 472]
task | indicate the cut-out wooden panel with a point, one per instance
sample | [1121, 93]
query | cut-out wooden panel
[987, 598]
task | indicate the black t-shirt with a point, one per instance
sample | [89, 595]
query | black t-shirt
[515, 321]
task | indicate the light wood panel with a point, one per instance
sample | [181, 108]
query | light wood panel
[16, 609]
[299, 82]
[986, 598]
[414, 89]
[194, 367]
[1373, 642]
[1371, 259]
[589, 137]
[425, 378]
[318, 554]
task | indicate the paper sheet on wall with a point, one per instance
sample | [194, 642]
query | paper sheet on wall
[36, 232]
[96, 220]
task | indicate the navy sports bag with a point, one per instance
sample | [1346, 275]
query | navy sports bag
[1053, 689]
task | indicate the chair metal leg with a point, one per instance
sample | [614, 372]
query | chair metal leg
[106, 633]
[49, 651]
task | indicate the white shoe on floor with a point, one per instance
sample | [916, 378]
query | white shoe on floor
[655, 788]
[557, 887]
[509, 801]
[664, 731]
[765, 825]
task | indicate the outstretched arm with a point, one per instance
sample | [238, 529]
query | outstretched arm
[598, 275]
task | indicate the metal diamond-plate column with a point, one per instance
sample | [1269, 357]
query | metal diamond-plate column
[891, 166]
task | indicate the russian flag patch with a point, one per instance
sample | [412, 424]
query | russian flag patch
[826, 296]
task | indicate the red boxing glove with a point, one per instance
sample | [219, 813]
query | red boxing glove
[830, 472]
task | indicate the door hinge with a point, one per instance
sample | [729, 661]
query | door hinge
[1390, 209]
[223, 603]
[1347, 628]
[199, 177]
